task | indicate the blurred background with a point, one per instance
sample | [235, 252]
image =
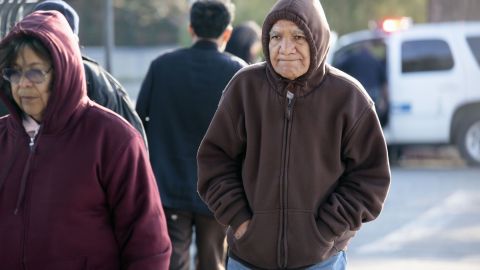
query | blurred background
[164, 22]
[431, 218]
[142, 29]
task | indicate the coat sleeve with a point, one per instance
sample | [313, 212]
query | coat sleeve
[137, 213]
[219, 169]
[363, 187]
[105, 90]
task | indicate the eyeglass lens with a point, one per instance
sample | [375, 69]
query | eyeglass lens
[34, 75]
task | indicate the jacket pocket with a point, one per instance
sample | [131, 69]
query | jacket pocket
[258, 246]
[305, 243]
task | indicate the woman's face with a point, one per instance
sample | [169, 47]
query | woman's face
[289, 50]
[30, 83]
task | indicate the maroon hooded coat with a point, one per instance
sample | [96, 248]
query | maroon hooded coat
[84, 196]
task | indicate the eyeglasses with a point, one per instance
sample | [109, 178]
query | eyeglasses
[34, 75]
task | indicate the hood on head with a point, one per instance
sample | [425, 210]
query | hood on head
[69, 88]
[309, 16]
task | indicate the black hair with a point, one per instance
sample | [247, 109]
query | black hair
[244, 36]
[9, 50]
[210, 18]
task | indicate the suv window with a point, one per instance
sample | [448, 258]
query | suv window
[426, 55]
[474, 43]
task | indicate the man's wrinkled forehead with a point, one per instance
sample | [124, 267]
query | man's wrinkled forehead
[285, 25]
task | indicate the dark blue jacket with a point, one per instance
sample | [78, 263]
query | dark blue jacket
[367, 69]
[177, 100]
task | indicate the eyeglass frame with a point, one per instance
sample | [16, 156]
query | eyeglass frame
[24, 74]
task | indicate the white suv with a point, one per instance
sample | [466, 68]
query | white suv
[433, 78]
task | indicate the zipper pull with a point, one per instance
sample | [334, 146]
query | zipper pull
[290, 97]
[32, 143]
[32, 140]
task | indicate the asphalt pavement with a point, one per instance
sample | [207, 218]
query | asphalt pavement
[431, 219]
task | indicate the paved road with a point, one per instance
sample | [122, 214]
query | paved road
[431, 220]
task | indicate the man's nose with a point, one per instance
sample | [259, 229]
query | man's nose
[287, 46]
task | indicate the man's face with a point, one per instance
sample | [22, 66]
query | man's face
[289, 50]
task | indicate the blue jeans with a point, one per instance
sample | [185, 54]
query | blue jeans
[337, 262]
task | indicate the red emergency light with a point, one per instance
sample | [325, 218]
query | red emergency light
[390, 25]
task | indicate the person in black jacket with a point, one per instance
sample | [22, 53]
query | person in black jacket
[177, 100]
[369, 69]
[102, 87]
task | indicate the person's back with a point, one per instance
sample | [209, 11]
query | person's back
[177, 100]
[364, 67]
[184, 102]
[370, 72]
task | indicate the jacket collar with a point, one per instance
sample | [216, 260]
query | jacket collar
[205, 44]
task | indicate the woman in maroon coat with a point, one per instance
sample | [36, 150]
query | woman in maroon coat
[76, 187]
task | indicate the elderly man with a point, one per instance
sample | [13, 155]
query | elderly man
[294, 160]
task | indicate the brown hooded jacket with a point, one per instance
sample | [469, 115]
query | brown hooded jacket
[307, 170]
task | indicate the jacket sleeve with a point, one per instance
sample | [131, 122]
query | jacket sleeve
[363, 187]
[125, 105]
[137, 213]
[105, 90]
[219, 169]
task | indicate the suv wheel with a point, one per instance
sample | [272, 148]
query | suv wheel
[468, 140]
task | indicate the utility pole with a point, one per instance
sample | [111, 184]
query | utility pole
[109, 34]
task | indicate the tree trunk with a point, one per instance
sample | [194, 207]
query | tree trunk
[453, 10]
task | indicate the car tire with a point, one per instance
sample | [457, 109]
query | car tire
[468, 139]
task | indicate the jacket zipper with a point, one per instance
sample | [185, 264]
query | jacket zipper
[283, 186]
[290, 98]
[32, 147]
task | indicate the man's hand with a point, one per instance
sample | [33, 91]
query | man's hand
[241, 229]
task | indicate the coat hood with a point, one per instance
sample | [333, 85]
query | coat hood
[68, 92]
[309, 16]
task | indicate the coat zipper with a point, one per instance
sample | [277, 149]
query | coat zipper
[283, 186]
[290, 98]
[32, 148]
[23, 182]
